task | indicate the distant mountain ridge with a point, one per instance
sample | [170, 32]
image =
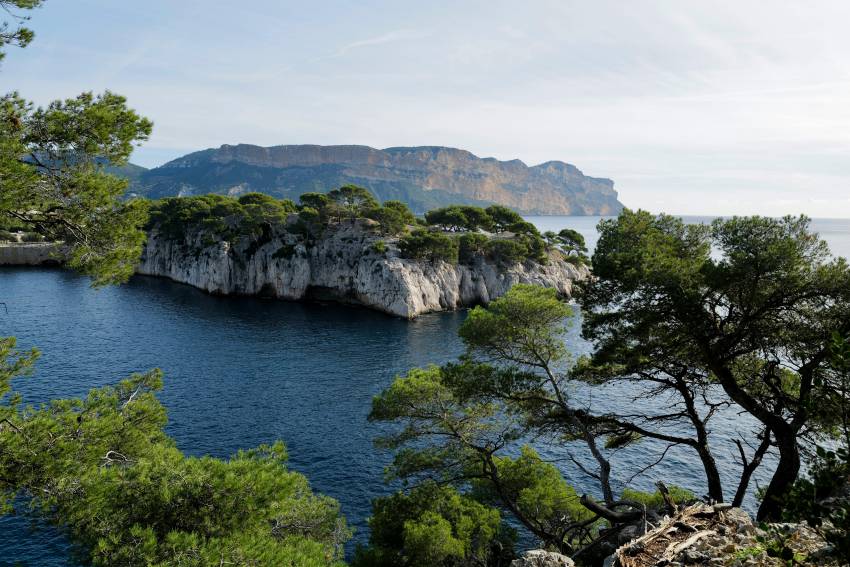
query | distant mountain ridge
[424, 177]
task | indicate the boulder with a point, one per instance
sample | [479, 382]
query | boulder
[541, 558]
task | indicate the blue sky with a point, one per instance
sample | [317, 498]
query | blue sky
[691, 107]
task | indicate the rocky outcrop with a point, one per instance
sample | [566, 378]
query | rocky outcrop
[345, 265]
[541, 558]
[30, 254]
[720, 535]
[424, 177]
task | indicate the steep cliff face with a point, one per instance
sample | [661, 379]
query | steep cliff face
[345, 266]
[424, 177]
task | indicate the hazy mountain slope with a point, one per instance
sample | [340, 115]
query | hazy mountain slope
[424, 177]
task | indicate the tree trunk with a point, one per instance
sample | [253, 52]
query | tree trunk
[712, 475]
[785, 475]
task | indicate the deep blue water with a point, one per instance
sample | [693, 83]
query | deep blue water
[244, 371]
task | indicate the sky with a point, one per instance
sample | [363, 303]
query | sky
[705, 108]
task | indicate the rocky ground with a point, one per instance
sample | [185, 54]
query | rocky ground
[718, 536]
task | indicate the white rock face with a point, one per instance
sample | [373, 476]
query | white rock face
[343, 265]
[541, 558]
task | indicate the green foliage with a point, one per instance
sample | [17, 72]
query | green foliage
[315, 201]
[407, 215]
[392, 220]
[7, 236]
[429, 245]
[352, 200]
[503, 218]
[227, 217]
[756, 319]
[459, 217]
[380, 247]
[434, 525]
[103, 468]
[470, 246]
[525, 326]
[506, 251]
[572, 242]
[459, 422]
[52, 162]
[654, 500]
[18, 35]
[536, 487]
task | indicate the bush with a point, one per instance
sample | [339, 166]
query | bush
[471, 245]
[6, 236]
[507, 251]
[380, 247]
[655, 500]
[435, 526]
[429, 245]
[391, 220]
[405, 212]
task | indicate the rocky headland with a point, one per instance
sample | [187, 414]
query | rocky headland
[346, 264]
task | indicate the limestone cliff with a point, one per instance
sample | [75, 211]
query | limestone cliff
[424, 177]
[344, 265]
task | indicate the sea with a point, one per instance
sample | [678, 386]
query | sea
[240, 372]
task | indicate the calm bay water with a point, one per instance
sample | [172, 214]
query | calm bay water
[244, 371]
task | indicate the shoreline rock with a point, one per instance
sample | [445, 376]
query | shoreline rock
[343, 265]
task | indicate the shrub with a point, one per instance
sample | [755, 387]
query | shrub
[429, 245]
[391, 220]
[655, 500]
[435, 526]
[380, 247]
[406, 214]
[506, 251]
[6, 236]
[471, 245]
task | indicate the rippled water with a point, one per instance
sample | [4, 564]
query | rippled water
[243, 371]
